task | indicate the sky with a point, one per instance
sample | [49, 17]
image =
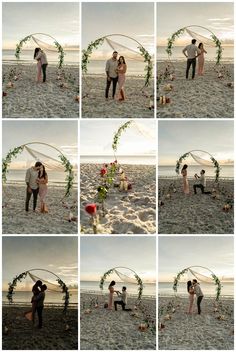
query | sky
[217, 17]
[57, 254]
[178, 253]
[132, 19]
[61, 134]
[178, 137]
[97, 137]
[99, 254]
[59, 19]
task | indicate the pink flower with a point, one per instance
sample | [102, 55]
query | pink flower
[91, 208]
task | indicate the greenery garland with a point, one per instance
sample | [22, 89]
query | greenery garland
[8, 159]
[70, 174]
[177, 278]
[172, 39]
[217, 168]
[65, 290]
[179, 162]
[149, 65]
[138, 279]
[219, 48]
[88, 52]
[28, 37]
[143, 52]
[218, 284]
[116, 138]
[65, 162]
[12, 285]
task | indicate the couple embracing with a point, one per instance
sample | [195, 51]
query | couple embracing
[36, 180]
[193, 288]
[42, 63]
[37, 303]
[115, 71]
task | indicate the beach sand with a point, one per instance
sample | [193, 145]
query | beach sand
[29, 99]
[196, 332]
[204, 97]
[200, 213]
[53, 335]
[16, 221]
[103, 329]
[127, 213]
[136, 104]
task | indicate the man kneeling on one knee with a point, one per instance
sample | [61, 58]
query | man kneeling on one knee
[123, 300]
[201, 183]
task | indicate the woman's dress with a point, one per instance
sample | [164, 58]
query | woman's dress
[185, 182]
[43, 190]
[201, 61]
[39, 71]
[121, 81]
[110, 298]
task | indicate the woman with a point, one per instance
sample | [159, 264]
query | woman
[185, 180]
[191, 296]
[201, 59]
[43, 188]
[121, 69]
[39, 66]
[111, 292]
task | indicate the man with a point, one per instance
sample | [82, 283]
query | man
[201, 183]
[112, 75]
[192, 53]
[199, 294]
[123, 300]
[32, 185]
[44, 62]
[40, 304]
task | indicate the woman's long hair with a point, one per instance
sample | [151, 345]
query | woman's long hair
[36, 52]
[43, 174]
[119, 63]
[199, 46]
[184, 167]
[112, 283]
[189, 285]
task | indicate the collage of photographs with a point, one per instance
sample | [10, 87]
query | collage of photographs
[117, 175]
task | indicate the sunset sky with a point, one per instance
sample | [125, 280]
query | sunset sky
[58, 19]
[56, 254]
[61, 134]
[97, 137]
[132, 19]
[216, 16]
[178, 253]
[178, 137]
[99, 254]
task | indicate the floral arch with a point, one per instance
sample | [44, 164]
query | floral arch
[189, 30]
[124, 277]
[62, 161]
[198, 276]
[40, 43]
[58, 286]
[200, 160]
[98, 42]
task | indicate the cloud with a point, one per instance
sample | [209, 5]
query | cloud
[225, 19]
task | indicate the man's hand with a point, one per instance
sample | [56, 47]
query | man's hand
[108, 78]
[29, 189]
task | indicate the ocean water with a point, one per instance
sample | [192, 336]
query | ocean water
[51, 297]
[169, 171]
[71, 57]
[134, 159]
[53, 176]
[134, 67]
[209, 289]
[227, 55]
[132, 288]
